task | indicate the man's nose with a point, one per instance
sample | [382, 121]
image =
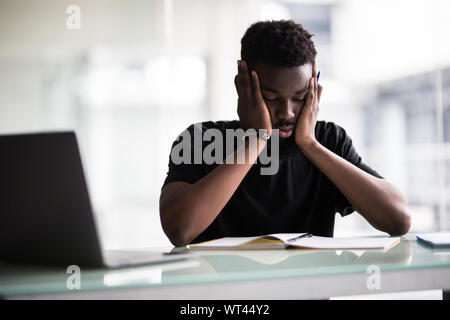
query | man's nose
[285, 110]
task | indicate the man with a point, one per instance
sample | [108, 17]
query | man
[319, 174]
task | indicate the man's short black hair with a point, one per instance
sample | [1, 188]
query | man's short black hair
[282, 43]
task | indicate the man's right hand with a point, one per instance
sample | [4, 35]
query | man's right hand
[252, 109]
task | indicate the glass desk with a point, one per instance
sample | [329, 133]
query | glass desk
[262, 274]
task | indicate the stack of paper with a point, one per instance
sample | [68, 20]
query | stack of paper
[435, 240]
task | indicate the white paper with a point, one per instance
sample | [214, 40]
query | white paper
[227, 242]
[286, 236]
[344, 243]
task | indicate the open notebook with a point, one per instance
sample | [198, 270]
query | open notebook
[296, 240]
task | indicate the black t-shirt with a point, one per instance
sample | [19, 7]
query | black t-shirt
[298, 198]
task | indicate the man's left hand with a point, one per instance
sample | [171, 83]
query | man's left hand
[306, 122]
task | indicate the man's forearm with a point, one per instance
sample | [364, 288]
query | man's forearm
[196, 206]
[378, 201]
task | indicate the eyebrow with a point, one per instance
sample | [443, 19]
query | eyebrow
[275, 91]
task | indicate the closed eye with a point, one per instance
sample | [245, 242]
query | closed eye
[270, 99]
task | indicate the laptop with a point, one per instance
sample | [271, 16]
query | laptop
[46, 215]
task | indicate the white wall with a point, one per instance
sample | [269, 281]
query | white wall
[384, 39]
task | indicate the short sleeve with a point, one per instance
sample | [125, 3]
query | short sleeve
[343, 146]
[182, 166]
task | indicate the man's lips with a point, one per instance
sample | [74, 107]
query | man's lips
[286, 131]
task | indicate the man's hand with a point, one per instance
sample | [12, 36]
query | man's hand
[306, 122]
[252, 109]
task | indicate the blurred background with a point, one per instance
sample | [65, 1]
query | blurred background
[129, 76]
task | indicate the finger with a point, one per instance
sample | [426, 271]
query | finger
[310, 95]
[240, 87]
[311, 90]
[319, 93]
[244, 77]
[256, 89]
[236, 83]
[315, 78]
[315, 85]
